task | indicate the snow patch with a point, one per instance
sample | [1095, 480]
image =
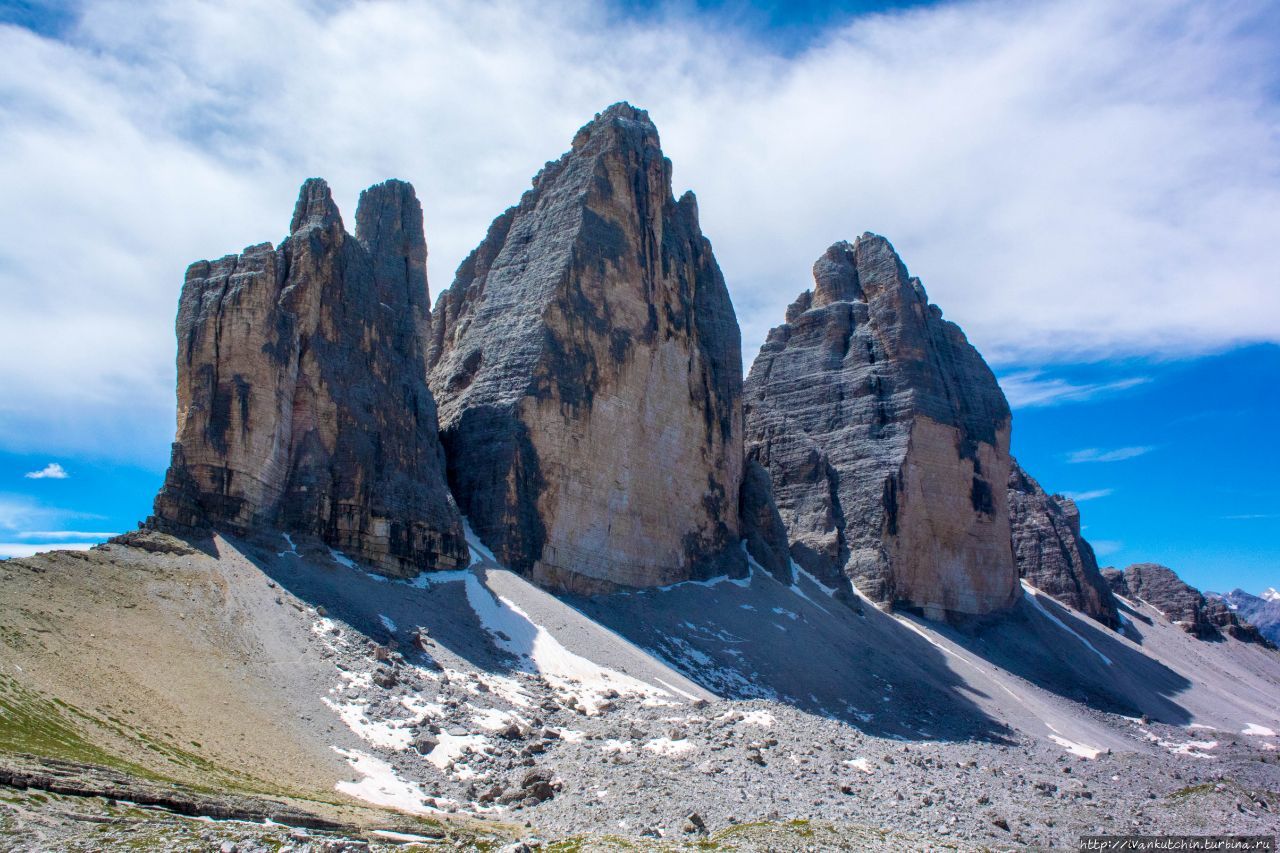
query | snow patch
[380, 785]
[577, 680]
[387, 623]
[667, 746]
[860, 764]
[342, 559]
[1080, 749]
[479, 553]
[1034, 598]
[391, 734]
[1255, 730]
[293, 549]
[760, 719]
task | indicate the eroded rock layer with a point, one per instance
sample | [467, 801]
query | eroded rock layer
[587, 362]
[302, 394]
[886, 439]
[1050, 552]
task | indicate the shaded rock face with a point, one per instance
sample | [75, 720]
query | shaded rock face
[1181, 603]
[588, 367]
[302, 394]
[886, 439]
[1050, 552]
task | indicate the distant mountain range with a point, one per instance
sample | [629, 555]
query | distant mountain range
[1262, 611]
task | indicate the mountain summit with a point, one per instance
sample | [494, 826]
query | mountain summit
[887, 440]
[302, 395]
[588, 366]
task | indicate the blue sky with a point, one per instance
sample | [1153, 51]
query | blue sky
[1092, 192]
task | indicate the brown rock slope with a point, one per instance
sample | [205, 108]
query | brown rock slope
[886, 438]
[302, 398]
[587, 362]
[1051, 553]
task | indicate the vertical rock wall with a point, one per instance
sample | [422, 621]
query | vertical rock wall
[302, 395]
[587, 362]
[886, 439]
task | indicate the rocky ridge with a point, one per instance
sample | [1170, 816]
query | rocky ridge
[1183, 604]
[1050, 551]
[886, 439]
[587, 362]
[302, 399]
[1262, 612]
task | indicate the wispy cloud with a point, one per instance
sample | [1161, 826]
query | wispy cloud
[1093, 454]
[1073, 208]
[63, 534]
[1028, 388]
[10, 550]
[1092, 494]
[52, 471]
[20, 513]
[1105, 547]
[1252, 516]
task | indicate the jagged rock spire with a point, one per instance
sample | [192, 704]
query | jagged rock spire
[302, 399]
[886, 438]
[587, 361]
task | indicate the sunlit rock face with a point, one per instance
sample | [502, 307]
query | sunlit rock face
[886, 439]
[588, 366]
[302, 394]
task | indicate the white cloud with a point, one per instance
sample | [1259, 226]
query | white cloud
[63, 534]
[1093, 454]
[1025, 389]
[18, 513]
[1069, 178]
[10, 550]
[52, 471]
[1090, 495]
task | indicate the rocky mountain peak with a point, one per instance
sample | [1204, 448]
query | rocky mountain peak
[886, 438]
[587, 361]
[315, 208]
[302, 395]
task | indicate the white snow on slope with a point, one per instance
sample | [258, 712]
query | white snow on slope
[1074, 748]
[391, 734]
[568, 674]
[860, 764]
[667, 746]
[342, 559]
[293, 549]
[380, 785]
[387, 623]
[1034, 598]
[479, 553]
[1256, 730]
[1270, 594]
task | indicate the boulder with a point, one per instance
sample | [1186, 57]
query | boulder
[886, 439]
[302, 395]
[1051, 553]
[588, 367]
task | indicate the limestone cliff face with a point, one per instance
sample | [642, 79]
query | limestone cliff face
[302, 395]
[886, 439]
[587, 363]
[1051, 553]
